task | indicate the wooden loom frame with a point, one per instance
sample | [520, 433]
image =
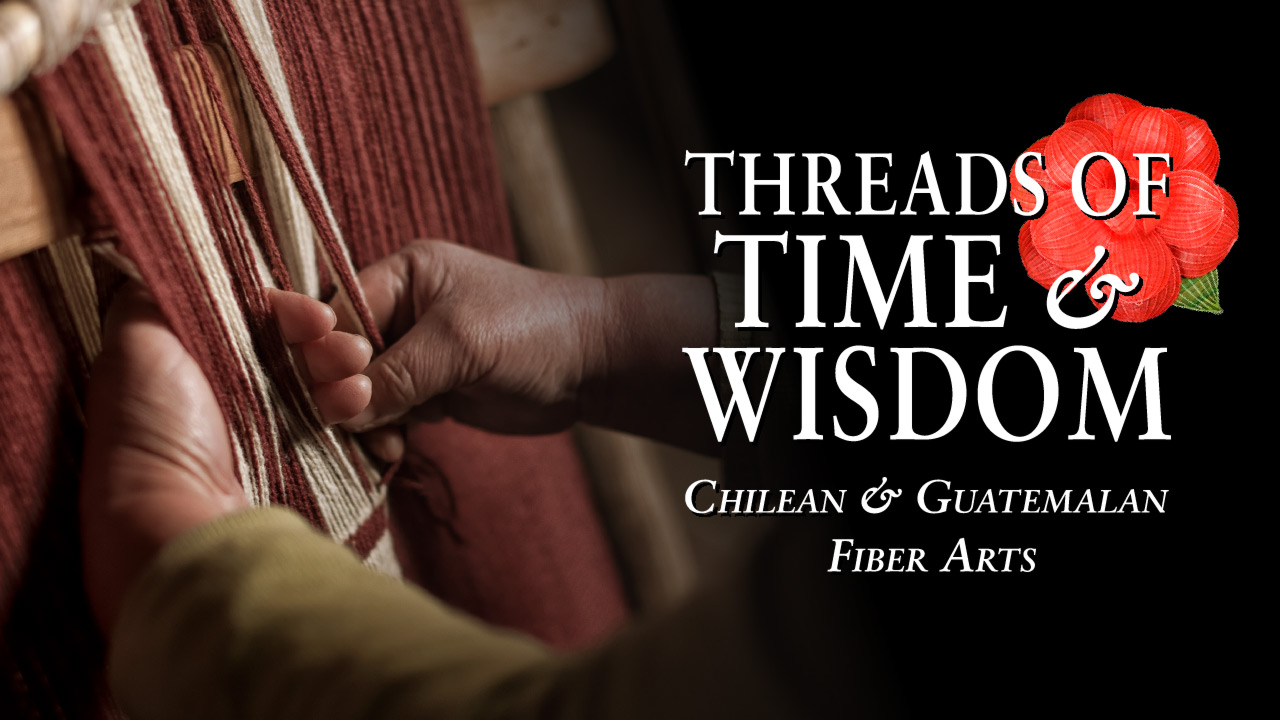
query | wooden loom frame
[523, 47]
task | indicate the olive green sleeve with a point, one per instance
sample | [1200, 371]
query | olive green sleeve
[256, 616]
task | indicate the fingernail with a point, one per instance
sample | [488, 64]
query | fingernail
[366, 347]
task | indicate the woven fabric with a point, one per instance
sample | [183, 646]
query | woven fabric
[369, 133]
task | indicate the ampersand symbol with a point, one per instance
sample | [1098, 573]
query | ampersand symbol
[885, 496]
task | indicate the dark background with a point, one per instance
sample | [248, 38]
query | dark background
[1124, 614]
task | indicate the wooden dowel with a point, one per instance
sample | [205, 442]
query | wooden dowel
[32, 209]
[200, 95]
[525, 46]
[31, 199]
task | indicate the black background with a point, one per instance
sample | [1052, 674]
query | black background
[1124, 614]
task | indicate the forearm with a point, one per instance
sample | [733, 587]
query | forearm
[641, 382]
[256, 616]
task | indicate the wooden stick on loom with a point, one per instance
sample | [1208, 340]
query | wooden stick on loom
[523, 46]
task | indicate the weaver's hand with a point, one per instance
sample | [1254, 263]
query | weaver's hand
[158, 459]
[510, 349]
[484, 341]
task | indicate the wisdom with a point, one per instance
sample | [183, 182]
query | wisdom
[734, 364]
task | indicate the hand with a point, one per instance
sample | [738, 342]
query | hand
[510, 349]
[487, 342]
[158, 458]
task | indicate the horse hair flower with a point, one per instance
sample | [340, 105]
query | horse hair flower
[1197, 221]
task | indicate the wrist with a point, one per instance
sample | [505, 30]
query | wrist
[603, 323]
[636, 363]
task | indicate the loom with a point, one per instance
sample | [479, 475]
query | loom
[520, 50]
[206, 147]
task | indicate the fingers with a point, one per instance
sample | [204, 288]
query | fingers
[329, 361]
[335, 356]
[397, 290]
[386, 443]
[302, 319]
[387, 285]
[407, 375]
[132, 310]
[393, 285]
[340, 400]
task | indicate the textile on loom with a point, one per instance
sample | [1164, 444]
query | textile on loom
[368, 133]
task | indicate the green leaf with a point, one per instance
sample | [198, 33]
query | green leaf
[1200, 293]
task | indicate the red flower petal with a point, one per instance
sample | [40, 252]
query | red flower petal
[1123, 222]
[1148, 130]
[1106, 110]
[1196, 261]
[1159, 206]
[1065, 236]
[1021, 195]
[1071, 142]
[1195, 211]
[1229, 205]
[1151, 259]
[1201, 151]
[1038, 268]
[1100, 175]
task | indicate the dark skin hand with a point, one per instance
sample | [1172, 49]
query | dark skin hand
[158, 459]
[504, 348]
[483, 341]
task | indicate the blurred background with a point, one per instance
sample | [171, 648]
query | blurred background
[595, 116]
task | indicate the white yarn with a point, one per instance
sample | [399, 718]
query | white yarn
[70, 260]
[289, 216]
[122, 42]
[338, 485]
[63, 24]
[257, 28]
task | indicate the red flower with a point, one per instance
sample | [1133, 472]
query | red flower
[1197, 224]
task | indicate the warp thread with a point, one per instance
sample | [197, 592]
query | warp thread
[388, 117]
[284, 452]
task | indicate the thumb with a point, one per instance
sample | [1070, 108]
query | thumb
[420, 366]
[132, 310]
[391, 288]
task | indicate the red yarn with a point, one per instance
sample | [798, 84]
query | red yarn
[388, 102]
